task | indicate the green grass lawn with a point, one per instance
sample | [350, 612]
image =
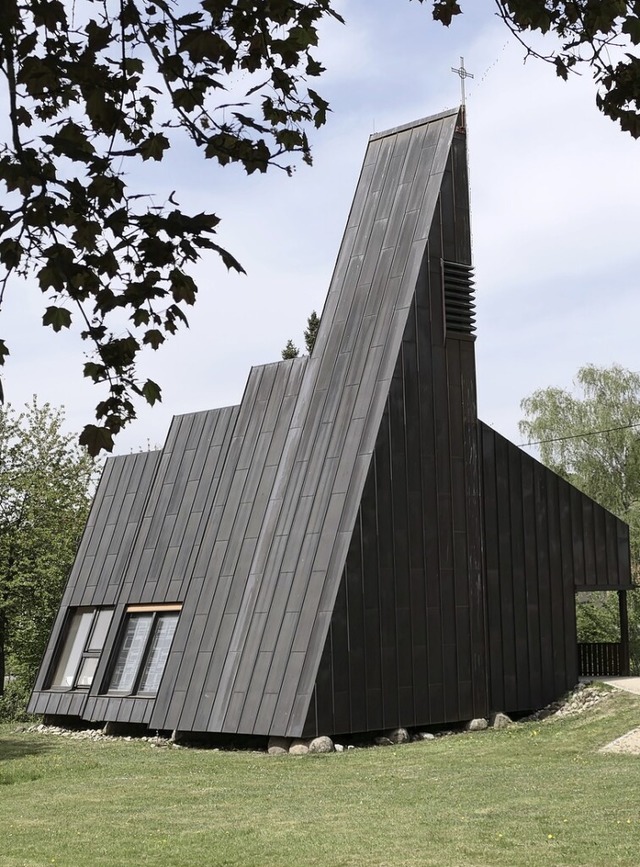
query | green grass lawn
[533, 794]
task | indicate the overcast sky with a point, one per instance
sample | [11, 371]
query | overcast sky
[555, 219]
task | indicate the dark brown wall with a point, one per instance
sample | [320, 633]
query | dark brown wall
[407, 639]
[544, 540]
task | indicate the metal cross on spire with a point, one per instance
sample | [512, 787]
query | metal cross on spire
[462, 72]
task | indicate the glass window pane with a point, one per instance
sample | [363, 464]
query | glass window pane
[131, 652]
[158, 652]
[87, 671]
[100, 627]
[72, 651]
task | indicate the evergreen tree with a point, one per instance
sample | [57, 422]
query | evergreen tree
[311, 331]
[290, 350]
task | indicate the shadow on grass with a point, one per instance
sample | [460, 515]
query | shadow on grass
[15, 748]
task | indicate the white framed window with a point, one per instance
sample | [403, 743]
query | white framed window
[84, 639]
[143, 649]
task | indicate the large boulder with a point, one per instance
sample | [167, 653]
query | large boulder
[278, 746]
[500, 721]
[298, 748]
[399, 736]
[323, 744]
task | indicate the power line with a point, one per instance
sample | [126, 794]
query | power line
[591, 433]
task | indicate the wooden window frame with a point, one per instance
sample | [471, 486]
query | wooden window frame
[86, 652]
[131, 611]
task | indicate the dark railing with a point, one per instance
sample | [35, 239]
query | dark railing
[602, 659]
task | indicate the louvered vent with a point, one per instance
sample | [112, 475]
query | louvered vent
[459, 300]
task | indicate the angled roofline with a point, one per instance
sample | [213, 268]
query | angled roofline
[414, 124]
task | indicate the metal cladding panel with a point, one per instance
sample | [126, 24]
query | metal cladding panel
[167, 533]
[133, 499]
[233, 541]
[338, 413]
[276, 534]
[406, 644]
[122, 491]
[537, 527]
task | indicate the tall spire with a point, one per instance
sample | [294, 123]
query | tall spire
[462, 72]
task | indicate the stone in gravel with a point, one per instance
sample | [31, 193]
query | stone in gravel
[477, 725]
[323, 744]
[298, 748]
[278, 746]
[398, 736]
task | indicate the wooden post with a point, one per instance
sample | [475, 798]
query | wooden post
[624, 633]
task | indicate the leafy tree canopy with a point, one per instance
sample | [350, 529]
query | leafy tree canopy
[592, 437]
[45, 486]
[94, 86]
[601, 35]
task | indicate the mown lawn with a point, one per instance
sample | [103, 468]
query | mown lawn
[534, 794]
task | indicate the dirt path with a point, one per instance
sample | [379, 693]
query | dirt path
[629, 743]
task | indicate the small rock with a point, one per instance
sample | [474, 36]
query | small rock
[383, 742]
[278, 746]
[350, 747]
[339, 748]
[424, 736]
[398, 736]
[323, 744]
[477, 725]
[298, 748]
[501, 721]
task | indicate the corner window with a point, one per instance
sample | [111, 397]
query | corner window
[144, 648]
[84, 639]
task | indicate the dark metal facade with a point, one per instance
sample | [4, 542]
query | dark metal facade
[407, 638]
[324, 538]
[544, 540]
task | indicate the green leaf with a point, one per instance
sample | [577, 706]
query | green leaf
[153, 338]
[57, 317]
[70, 141]
[96, 439]
[183, 287]
[631, 26]
[444, 10]
[561, 68]
[98, 37]
[230, 261]
[153, 148]
[94, 371]
[151, 391]
[10, 252]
